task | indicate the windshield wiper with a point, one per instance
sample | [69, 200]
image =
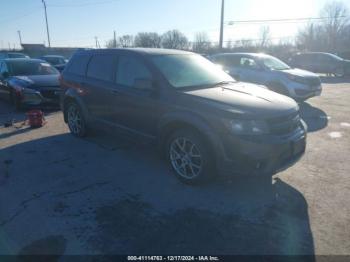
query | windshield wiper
[224, 83]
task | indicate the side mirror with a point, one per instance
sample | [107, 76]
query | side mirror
[144, 84]
[5, 75]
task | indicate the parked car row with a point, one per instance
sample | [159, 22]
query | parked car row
[59, 62]
[271, 72]
[29, 82]
[321, 63]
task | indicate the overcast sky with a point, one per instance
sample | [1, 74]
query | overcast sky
[77, 22]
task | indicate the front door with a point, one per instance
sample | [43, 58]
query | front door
[135, 109]
[251, 71]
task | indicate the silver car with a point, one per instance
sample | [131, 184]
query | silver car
[273, 73]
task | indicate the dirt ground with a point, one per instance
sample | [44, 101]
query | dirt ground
[107, 194]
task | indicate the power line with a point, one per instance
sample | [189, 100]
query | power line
[281, 20]
[19, 16]
[83, 4]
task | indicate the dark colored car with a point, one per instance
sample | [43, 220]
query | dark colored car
[321, 63]
[59, 62]
[29, 82]
[4, 55]
[267, 70]
[201, 119]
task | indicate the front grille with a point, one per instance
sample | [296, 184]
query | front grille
[310, 81]
[285, 124]
[50, 94]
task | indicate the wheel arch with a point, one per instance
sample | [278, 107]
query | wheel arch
[169, 124]
[70, 96]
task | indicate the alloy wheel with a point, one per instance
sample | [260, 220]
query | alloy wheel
[186, 158]
[74, 119]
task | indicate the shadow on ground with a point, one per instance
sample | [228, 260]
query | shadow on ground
[280, 226]
[334, 80]
[246, 215]
[315, 118]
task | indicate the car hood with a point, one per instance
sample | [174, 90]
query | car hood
[37, 81]
[247, 100]
[299, 72]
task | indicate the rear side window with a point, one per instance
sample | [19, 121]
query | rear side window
[101, 67]
[129, 69]
[78, 64]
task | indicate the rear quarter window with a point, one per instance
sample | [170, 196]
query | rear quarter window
[78, 64]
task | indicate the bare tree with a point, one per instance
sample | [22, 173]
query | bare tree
[331, 34]
[265, 39]
[336, 23]
[201, 42]
[244, 43]
[147, 39]
[111, 43]
[126, 41]
[174, 39]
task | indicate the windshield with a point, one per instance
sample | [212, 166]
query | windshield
[274, 63]
[55, 60]
[189, 70]
[335, 56]
[24, 68]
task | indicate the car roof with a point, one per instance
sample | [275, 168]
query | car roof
[17, 53]
[53, 56]
[22, 59]
[315, 53]
[142, 51]
[243, 54]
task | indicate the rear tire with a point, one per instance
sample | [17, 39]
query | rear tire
[15, 100]
[76, 120]
[189, 156]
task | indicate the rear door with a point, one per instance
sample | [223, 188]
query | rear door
[99, 85]
[326, 63]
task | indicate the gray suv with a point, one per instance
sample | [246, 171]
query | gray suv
[200, 118]
[273, 73]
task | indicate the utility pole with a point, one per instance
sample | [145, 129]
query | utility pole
[222, 24]
[97, 43]
[47, 24]
[115, 40]
[20, 37]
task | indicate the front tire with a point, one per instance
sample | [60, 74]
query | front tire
[339, 72]
[189, 157]
[75, 119]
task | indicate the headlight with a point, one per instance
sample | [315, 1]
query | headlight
[249, 127]
[298, 79]
[29, 90]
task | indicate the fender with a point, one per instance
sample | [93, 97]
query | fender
[72, 94]
[189, 119]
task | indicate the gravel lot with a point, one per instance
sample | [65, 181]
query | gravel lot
[106, 194]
